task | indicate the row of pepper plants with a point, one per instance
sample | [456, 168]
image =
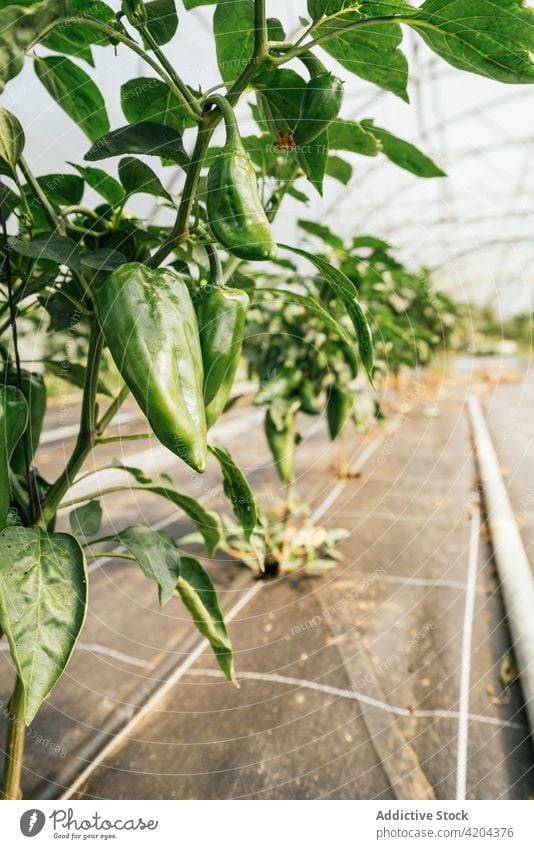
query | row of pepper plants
[165, 301]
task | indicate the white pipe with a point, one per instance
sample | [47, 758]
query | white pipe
[514, 569]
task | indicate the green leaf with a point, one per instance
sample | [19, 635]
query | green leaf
[494, 39]
[142, 138]
[353, 137]
[11, 142]
[74, 373]
[48, 246]
[103, 259]
[345, 291]
[370, 51]
[313, 158]
[199, 596]
[86, 520]
[278, 96]
[339, 169]
[316, 309]
[193, 4]
[370, 242]
[403, 153]
[60, 189]
[75, 92]
[162, 20]
[237, 490]
[233, 27]
[139, 178]
[101, 182]
[23, 27]
[61, 312]
[149, 99]
[207, 522]
[322, 232]
[43, 597]
[74, 40]
[157, 554]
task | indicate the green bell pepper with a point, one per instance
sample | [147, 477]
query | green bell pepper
[149, 323]
[221, 317]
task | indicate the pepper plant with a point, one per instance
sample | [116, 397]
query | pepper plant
[144, 293]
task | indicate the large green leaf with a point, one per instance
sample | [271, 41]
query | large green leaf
[43, 596]
[86, 519]
[313, 158]
[199, 596]
[370, 50]
[162, 20]
[494, 38]
[48, 246]
[143, 138]
[74, 373]
[103, 259]
[101, 182]
[345, 291]
[353, 137]
[233, 26]
[403, 153]
[21, 28]
[11, 142]
[322, 232]
[339, 169]
[75, 92]
[237, 490]
[157, 554]
[149, 99]
[138, 178]
[207, 522]
[278, 95]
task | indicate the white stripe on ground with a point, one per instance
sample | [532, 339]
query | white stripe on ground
[358, 697]
[465, 669]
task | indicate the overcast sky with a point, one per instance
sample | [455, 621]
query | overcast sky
[475, 226]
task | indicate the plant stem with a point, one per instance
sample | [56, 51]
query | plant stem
[187, 95]
[88, 429]
[112, 410]
[103, 440]
[180, 230]
[295, 50]
[16, 738]
[97, 554]
[48, 210]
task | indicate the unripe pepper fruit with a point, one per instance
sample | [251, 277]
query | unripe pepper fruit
[13, 422]
[235, 212]
[221, 314]
[149, 323]
[339, 405]
[321, 102]
[282, 438]
[34, 391]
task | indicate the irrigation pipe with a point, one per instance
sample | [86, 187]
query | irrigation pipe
[515, 573]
